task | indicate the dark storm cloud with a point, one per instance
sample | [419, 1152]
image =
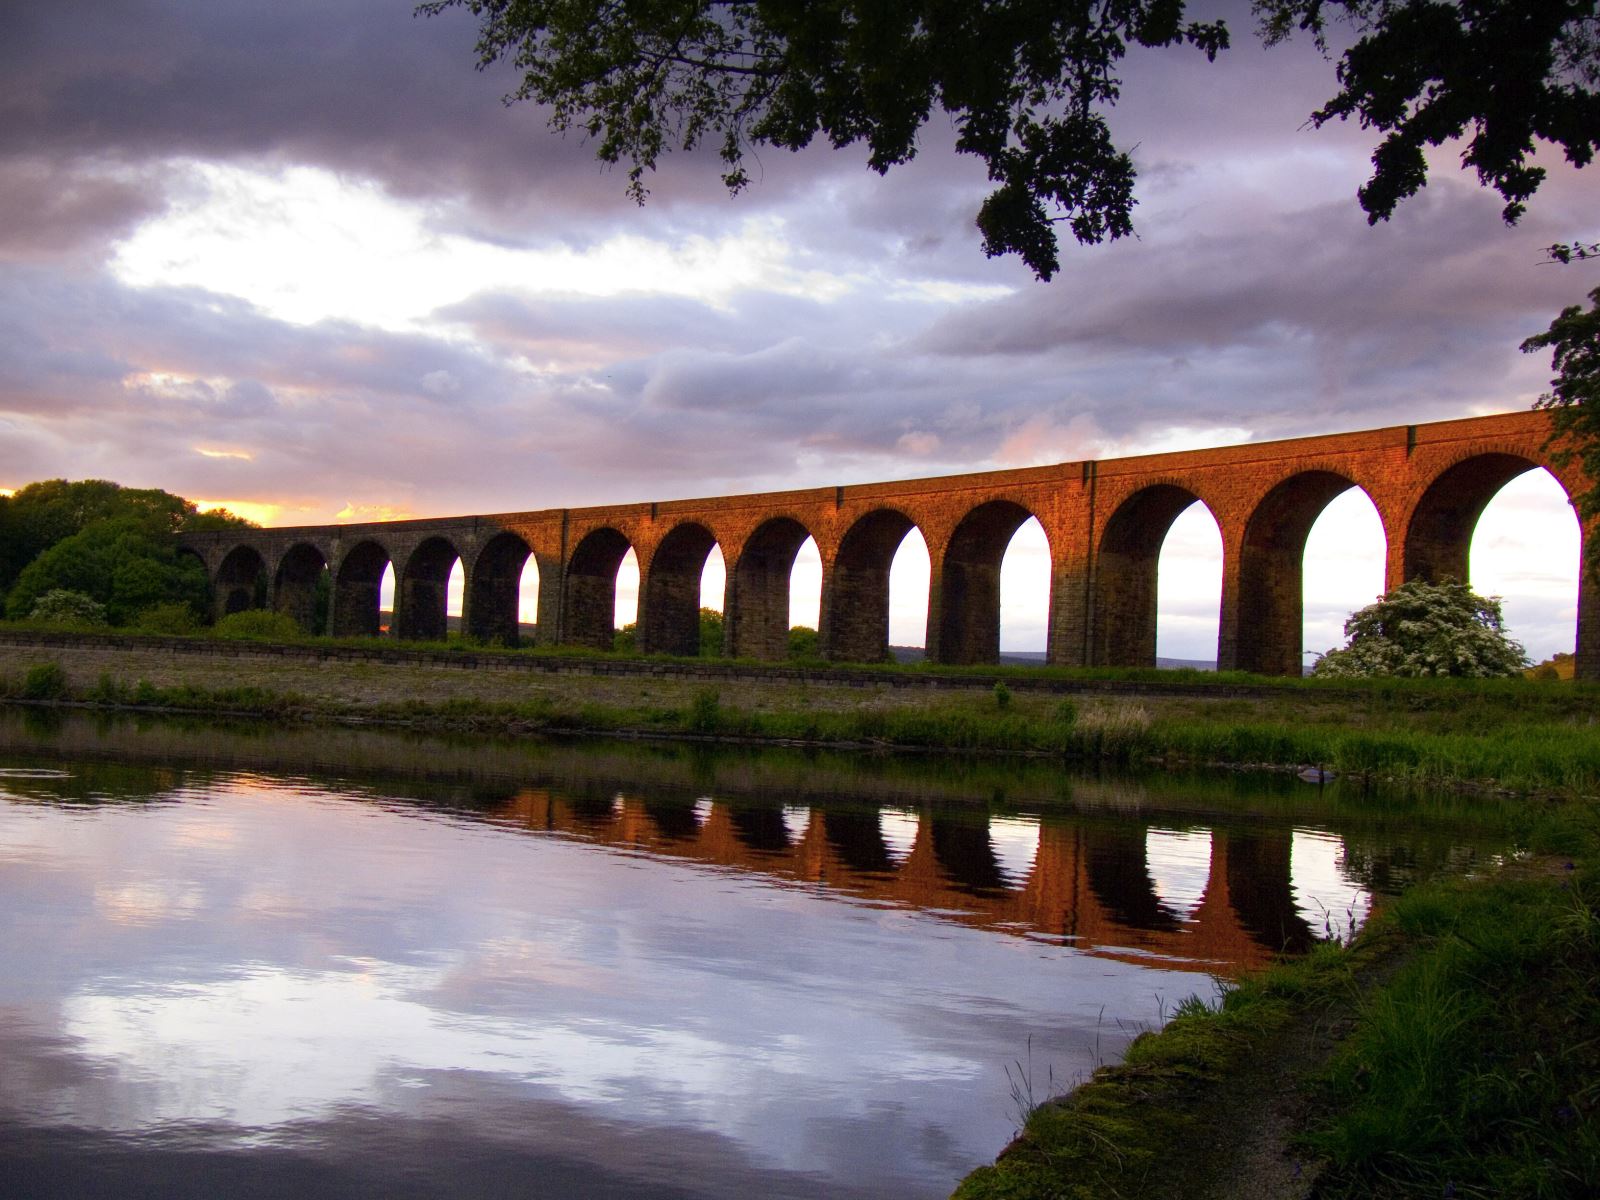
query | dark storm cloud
[362, 87]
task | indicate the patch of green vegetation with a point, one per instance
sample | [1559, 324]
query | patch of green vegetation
[1472, 1065]
[1476, 1071]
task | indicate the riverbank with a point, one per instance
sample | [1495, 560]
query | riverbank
[1450, 1050]
[1516, 736]
[1446, 1052]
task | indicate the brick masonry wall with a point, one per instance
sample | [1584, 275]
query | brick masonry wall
[1105, 521]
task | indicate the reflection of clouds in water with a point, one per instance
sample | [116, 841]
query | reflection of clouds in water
[1331, 902]
[899, 830]
[1180, 867]
[796, 820]
[1016, 844]
[702, 810]
[147, 901]
[277, 1046]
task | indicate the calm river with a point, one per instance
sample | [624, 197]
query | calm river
[249, 963]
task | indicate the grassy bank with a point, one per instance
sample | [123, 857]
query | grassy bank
[1452, 1050]
[1514, 735]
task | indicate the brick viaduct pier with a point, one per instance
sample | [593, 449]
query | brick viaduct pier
[1105, 521]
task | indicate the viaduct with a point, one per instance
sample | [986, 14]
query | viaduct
[1105, 521]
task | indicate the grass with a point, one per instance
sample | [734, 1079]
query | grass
[1517, 736]
[1468, 1066]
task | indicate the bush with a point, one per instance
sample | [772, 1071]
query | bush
[705, 712]
[1002, 695]
[803, 644]
[1424, 628]
[258, 625]
[63, 606]
[626, 640]
[45, 681]
[171, 618]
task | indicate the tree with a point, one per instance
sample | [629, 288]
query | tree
[1574, 396]
[128, 564]
[1028, 85]
[1424, 628]
[1501, 73]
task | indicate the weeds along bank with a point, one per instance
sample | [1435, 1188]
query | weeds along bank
[1517, 735]
[1452, 1050]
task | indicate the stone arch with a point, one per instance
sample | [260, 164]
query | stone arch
[422, 592]
[855, 603]
[964, 611]
[1270, 604]
[591, 588]
[669, 594]
[1123, 618]
[295, 587]
[1438, 531]
[756, 619]
[356, 590]
[241, 581]
[494, 588]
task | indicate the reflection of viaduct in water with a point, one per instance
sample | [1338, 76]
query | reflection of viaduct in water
[1086, 883]
[1105, 522]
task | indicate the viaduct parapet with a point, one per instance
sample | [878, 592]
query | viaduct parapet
[1105, 521]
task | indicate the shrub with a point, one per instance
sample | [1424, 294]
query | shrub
[172, 618]
[64, 606]
[626, 640]
[803, 644]
[45, 681]
[1424, 628]
[1002, 695]
[258, 625]
[705, 711]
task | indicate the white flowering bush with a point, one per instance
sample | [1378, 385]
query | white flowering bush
[1425, 628]
[62, 606]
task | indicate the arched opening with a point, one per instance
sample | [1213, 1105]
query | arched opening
[423, 610]
[592, 588]
[856, 616]
[1025, 595]
[1343, 569]
[1265, 635]
[301, 588]
[757, 623]
[805, 600]
[386, 594]
[1526, 549]
[909, 577]
[358, 591]
[625, 608]
[964, 618]
[494, 605]
[1189, 590]
[1126, 580]
[669, 611]
[1507, 528]
[241, 581]
[528, 598]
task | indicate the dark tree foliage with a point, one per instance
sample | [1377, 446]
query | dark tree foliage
[1574, 395]
[1026, 84]
[126, 563]
[136, 557]
[1504, 74]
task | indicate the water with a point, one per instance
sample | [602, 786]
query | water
[506, 970]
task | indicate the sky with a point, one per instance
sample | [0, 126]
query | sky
[300, 260]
